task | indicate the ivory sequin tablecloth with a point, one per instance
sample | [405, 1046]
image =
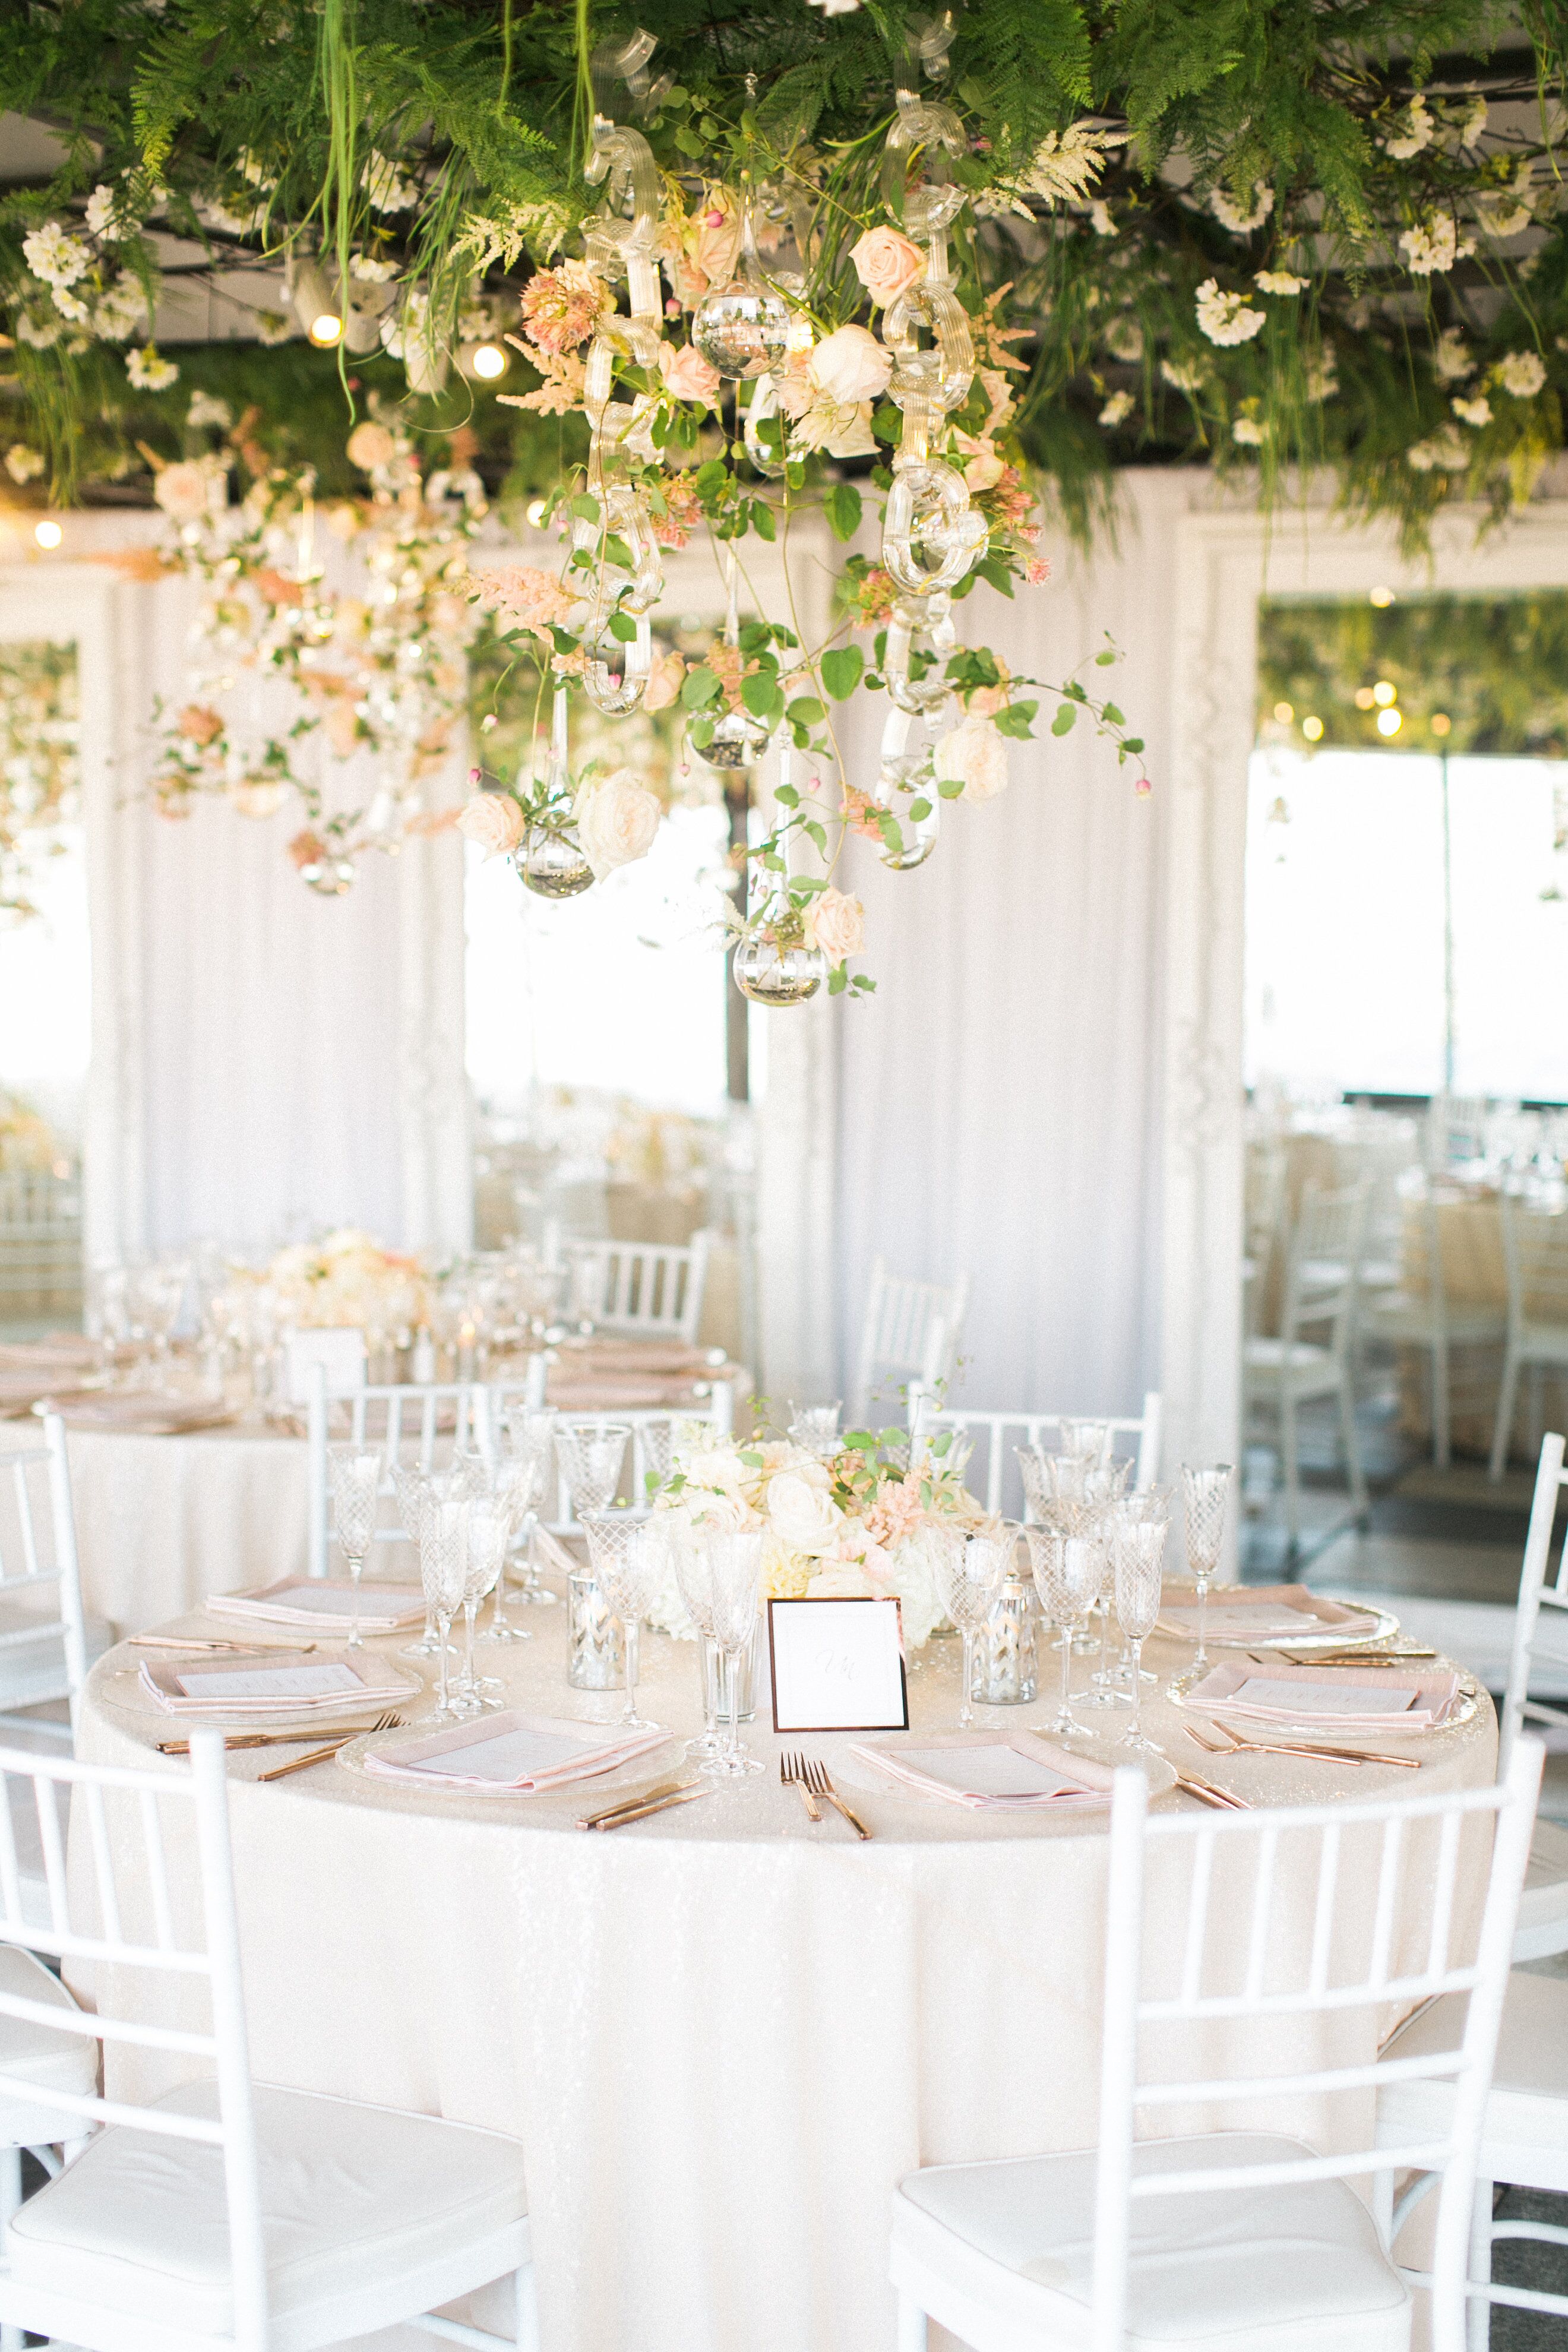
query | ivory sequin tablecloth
[722, 2034]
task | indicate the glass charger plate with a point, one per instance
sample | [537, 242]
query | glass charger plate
[853, 1772]
[1345, 1733]
[123, 1691]
[652, 1767]
[1321, 1637]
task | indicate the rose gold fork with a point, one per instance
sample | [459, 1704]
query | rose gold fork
[1239, 1747]
[792, 1772]
[390, 1721]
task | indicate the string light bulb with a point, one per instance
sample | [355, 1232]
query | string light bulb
[47, 533]
[1389, 721]
[489, 362]
[325, 330]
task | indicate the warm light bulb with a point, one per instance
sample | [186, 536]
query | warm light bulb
[1381, 598]
[1312, 729]
[326, 329]
[489, 362]
[537, 510]
[1283, 712]
[1364, 698]
[1389, 722]
[1384, 692]
[48, 534]
[1441, 722]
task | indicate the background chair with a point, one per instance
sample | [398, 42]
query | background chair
[43, 1657]
[1294, 1370]
[224, 2216]
[1535, 1259]
[1544, 1906]
[1054, 2252]
[910, 1331]
[454, 1415]
[1419, 1314]
[1002, 1433]
[644, 1290]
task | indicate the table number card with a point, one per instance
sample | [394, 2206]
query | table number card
[837, 1665]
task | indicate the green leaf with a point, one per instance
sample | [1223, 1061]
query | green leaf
[842, 507]
[1132, 743]
[623, 628]
[699, 687]
[699, 730]
[1016, 719]
[950, 787]
[564, 643]
[920, 809]
[1113, 716]
[819, 834]
[761, 695]
[837, 979]
[618, 552]
[891, 829]
[994, 570]
[687, 139]
[862, 986]
[1063, 721]
[1105, 659]
[753, 1460]
[807, 711]
[786, 796]
[841, 667]
[763, 520]
[585, 507]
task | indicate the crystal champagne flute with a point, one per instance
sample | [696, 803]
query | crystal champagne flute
[691, 1575]
[443, 1568]
[591, 1454]
[530, 1437]
[488, 1527]
[629, 1554]
[1205, 1495]
[734, 1569]
[1068, 1569]
[1138, 1552]
[969, 1574]
[356, 1486]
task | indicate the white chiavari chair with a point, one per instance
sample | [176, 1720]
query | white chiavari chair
[641, 1290]
[1003, 1433]
[1544, 1906]
[1535, 1258]
[402, 1420]
[208, 2212]
[911, 1332]
[1248, 2237]
[1420, 1314]
[43, 1656]
[1315, 1355]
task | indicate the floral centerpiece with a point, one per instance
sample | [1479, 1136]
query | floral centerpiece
[857, 1525]
[348, 1280]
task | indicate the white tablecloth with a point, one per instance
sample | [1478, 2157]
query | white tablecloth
[163, 1521]
[722, 2034]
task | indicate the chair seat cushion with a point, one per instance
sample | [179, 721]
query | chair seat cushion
[1528, 2107]
[352, 2198]
[1291, 2268]
[40, 2054]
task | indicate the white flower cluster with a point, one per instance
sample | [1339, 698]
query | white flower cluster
[1117, 409]
[387, 190]
[56, 256]
[1248, 432]
[1322, 375]
[147, 371]
[1522, 373]
[1062, 170]
[206, 410]
[1279, 281]
[1415, 137]
[1444, 453]
[1431, 246]
[1476, 412]
[1223, 318]
[23, 465]
[1183, 375]
[1242, 219]
[1508, 211]
[1451, 363]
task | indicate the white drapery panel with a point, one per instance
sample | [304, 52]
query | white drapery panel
[999, 1097]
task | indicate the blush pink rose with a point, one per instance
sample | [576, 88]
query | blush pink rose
[837, 924]
[889, 264]
[687, 374]
[974, 755]
[493, 820]
[851, 365]
[664, 681]
[343, 725]
[616, 820]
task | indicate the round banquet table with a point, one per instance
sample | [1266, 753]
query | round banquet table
[721, 2034]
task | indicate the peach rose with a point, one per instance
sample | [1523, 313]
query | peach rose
[850, 366]
[493, 820]
[687, 373]
[341, 723]
[257, 796]
[836, 924]
[370, 446]
[307, 848]
[182, 490]
[974, 755]
[888, 264]
[199, 724]
[664, 681]
[616, 820]
[986, 467]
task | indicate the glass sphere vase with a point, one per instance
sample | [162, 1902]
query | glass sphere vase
[771, 974]
[738, 740]
[741, 329]
[553, 865]
[329, 878]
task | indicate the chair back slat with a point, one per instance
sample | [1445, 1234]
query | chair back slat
[38, 1553]
[1004, 1432]
[651, 1290]
[1533, 1591]
[394, 1418]
[911, 1332]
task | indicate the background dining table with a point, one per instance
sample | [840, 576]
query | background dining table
[723, 2034]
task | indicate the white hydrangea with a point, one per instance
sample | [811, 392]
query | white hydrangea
[23, 465]
[1185, 375]
[1279, 281]
[1223, 318]
[1242, 219]
[1522, 373]
[1431, 246]
[1247, 431]
[120, 309]
[1476, 412]
[1444, 453]
[1451, 363]
[1117, 409]
[1124, 340]
[57, 258]
[387, 190]
[147, 371]
[1416, 136]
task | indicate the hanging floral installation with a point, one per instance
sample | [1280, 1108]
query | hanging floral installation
[38, 764]
[909, 271]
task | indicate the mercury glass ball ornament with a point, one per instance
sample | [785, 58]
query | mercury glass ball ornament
[743, 329]
[738, 740]
[329, 877]
[553, 864]
[769, 974]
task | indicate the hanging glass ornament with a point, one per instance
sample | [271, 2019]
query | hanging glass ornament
[552, 861]
[738, 740]
[771, 974]
[920, 636]
[615, 672]
[905, 784]
[767, 456]
[328, 877]
[743, 329]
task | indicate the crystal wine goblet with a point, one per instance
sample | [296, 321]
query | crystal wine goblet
[1205, 1494]
[591, 1454]
[1138, 1552]
[734, 1570]
[1068, 1569]
[969, 1572]
[815, 1428]
[1151, 1502]
[656, 1447]
[414, 1483]
[531, 1436]
[488, 1527]
[356, 1485]
[516, 1485]
[443, 1569]
[628, 1554]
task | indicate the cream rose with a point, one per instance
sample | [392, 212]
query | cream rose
[851, 365]
[889, 264]
[986, 467]
[687, 374]
[182, 490]
[616, 820]
[974, 755]
[493, 820]
[664, 681]
[370, 446]
[801, 1515]
[837, 924]
[341, 724]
